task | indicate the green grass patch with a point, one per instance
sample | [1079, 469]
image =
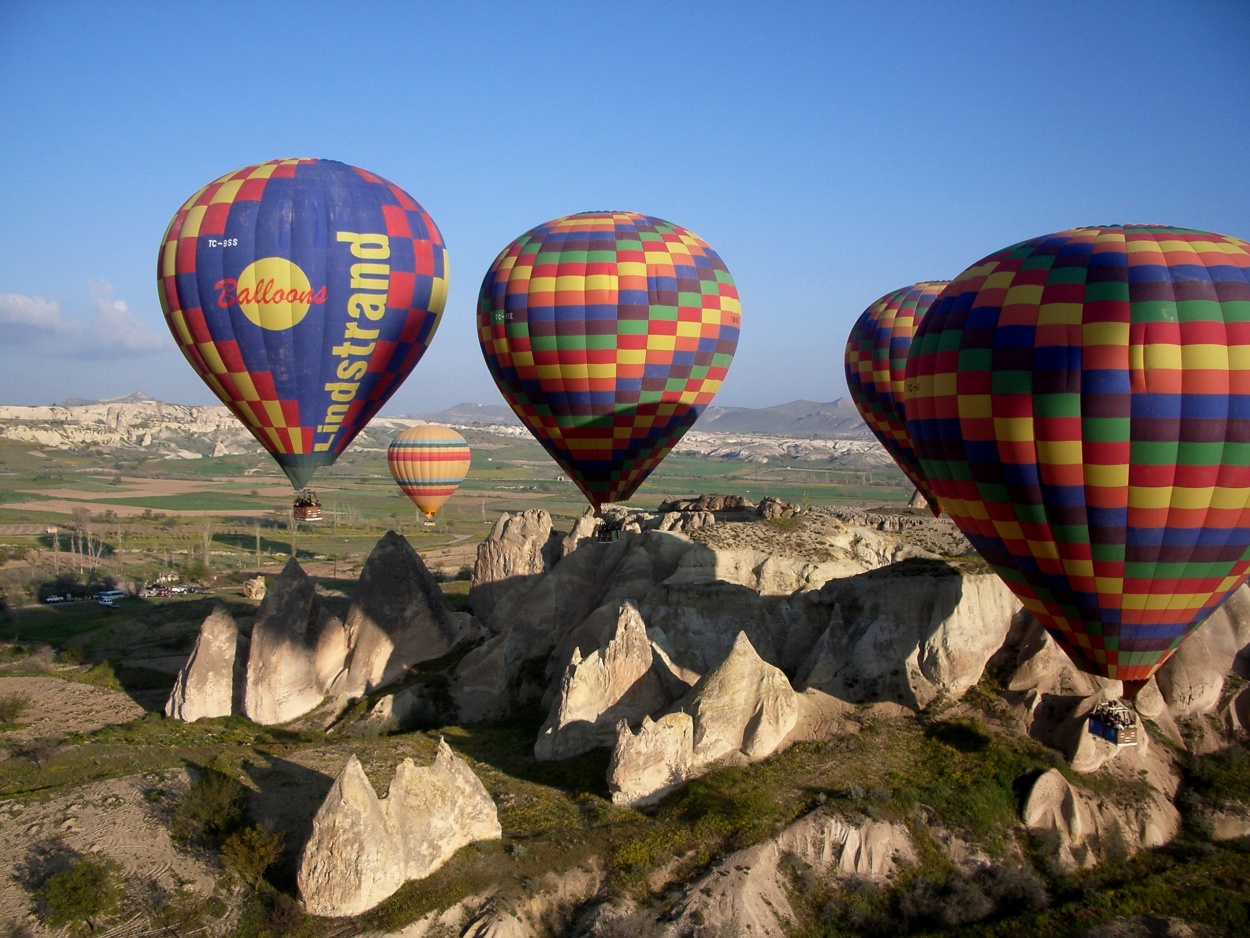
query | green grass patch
[195, 501]
[149, 743]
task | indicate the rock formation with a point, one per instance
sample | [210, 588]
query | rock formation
[354, 859]
[712, 503]
[908, 633]
[743, 709]
[300, 654]
[1192, 680]
[772, 507]
[297, 649]
[518, 548]
[210, 684]
[613, 683]
[254, 588]
[398, 617]
[497, 924]
[364, 848]
[530, 620]
[745, 894]
[1079, 828]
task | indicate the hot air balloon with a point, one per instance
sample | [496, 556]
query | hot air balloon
[608, 333]
[876, 366]
[1080, 403]
[303, 292]
[429, 463]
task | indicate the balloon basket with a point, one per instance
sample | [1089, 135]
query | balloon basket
[1115, 723]
[306, 507]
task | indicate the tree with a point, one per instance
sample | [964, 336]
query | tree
[84, 894]
[208, 540]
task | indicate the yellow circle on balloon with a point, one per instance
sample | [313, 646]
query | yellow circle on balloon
[274, 293]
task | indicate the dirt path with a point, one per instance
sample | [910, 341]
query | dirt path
[119, 818]
[58, 707]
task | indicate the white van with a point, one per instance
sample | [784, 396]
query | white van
[109, 596]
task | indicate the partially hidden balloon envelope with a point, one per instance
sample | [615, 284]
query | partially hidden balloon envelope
[428, 462]
[303, 292]
[876, 368]
[1080, 403]
[608, 333]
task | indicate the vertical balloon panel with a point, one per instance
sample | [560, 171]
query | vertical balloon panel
[1080, 403]
[303, 292]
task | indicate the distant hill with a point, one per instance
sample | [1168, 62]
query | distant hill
[838, 420]
[473, 413]
[134, 397]
[138, 422]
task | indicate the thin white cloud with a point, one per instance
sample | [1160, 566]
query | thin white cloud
[19, 315]
[109, 331]
[115, 328]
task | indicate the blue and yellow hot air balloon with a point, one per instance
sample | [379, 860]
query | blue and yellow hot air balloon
[428, 462]
[303, 292]
[1080, 403]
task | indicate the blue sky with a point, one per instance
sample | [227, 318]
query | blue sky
[830, 152]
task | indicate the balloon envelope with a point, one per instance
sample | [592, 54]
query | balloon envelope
[876, 368]
[608, 333]
[1080, 403]
[303, 292]
[429, 463]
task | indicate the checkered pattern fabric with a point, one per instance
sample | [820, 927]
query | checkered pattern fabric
[608, 333]
[322, 360]
[1080, 403]
[876, 367]
[429, 462]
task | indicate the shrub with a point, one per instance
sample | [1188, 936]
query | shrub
[249, 852]
[86, 893]
[214, 807]
[186, 912]
[72, 654]
[194, 570]
[12, 706]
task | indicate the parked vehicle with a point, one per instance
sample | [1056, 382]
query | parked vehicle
[110, 595]
[55, 599]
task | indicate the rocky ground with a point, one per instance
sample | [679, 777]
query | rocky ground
[719, 718]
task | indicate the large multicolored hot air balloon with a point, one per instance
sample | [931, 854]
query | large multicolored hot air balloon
[608, 333]
[303, 292]
[429, 462]
[876, 367]
[1080, 403]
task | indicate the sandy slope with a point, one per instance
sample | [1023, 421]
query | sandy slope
[120, 818]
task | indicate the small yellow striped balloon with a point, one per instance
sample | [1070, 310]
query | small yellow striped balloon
[429, 463]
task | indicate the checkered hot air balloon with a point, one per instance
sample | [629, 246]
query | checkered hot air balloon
[876, 367]
[303, 292]
[1080, 403]
[608, 333]
[428, 462]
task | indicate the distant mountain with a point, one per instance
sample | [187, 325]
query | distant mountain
[180, 431]
[134, 397]
[75, 402]
[836, 420]
[473, 413]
